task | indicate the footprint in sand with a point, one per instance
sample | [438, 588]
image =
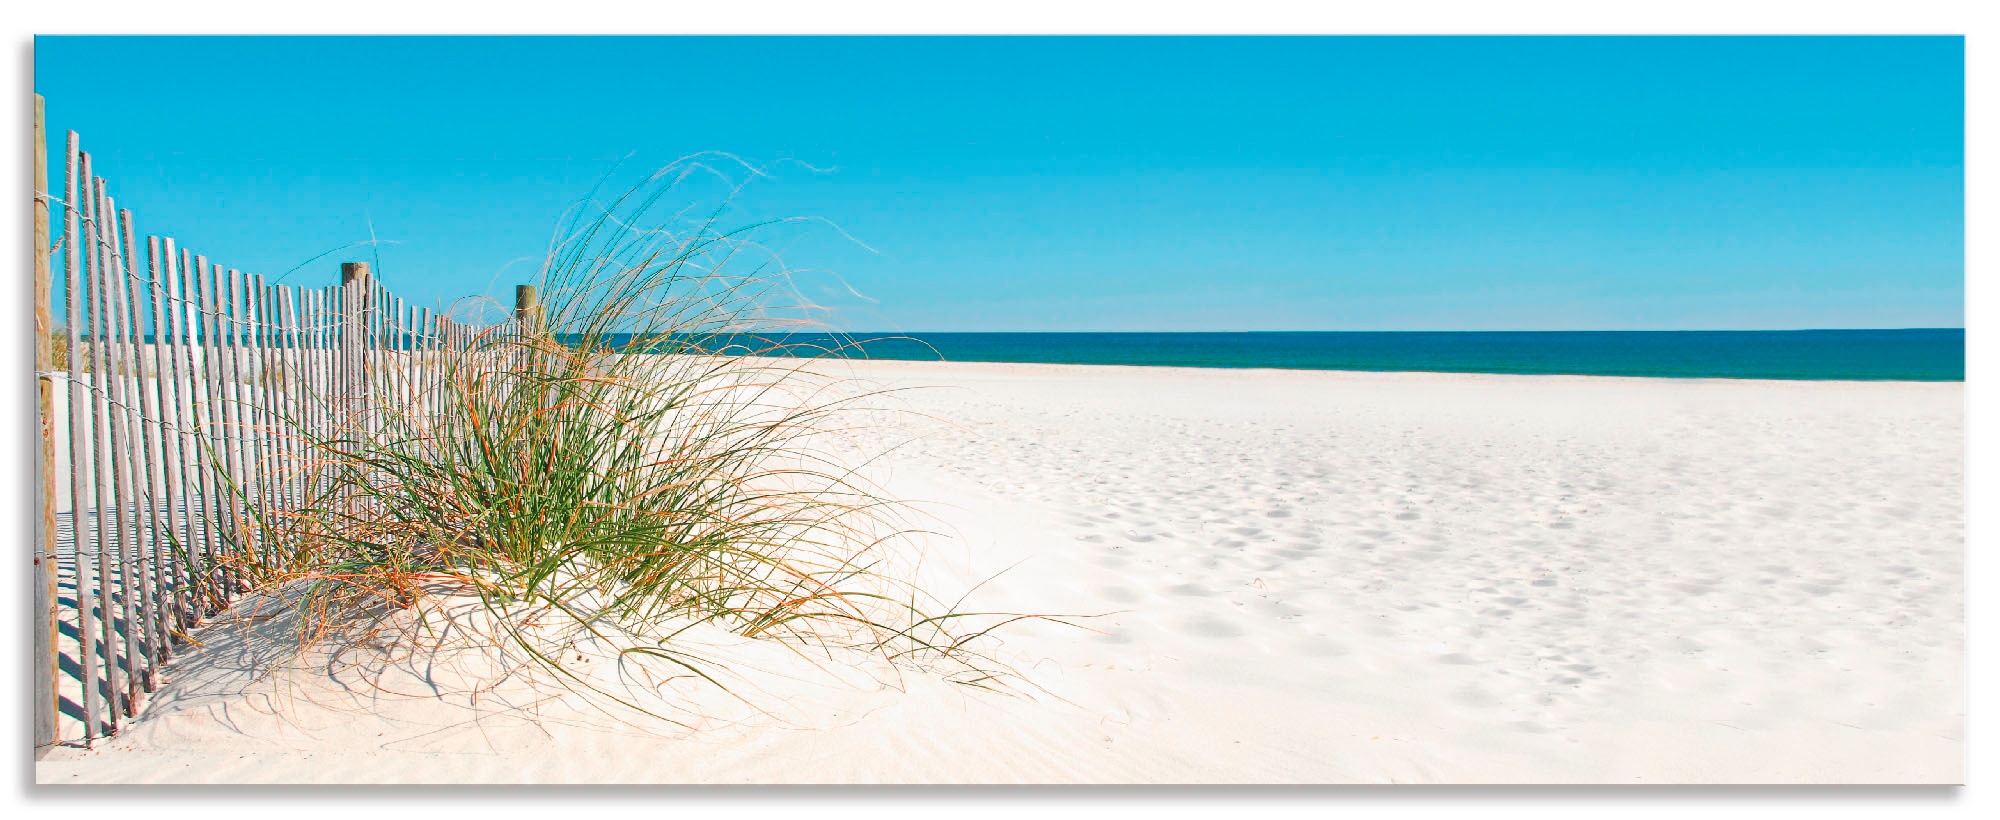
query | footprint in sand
[1472, 695]
[1280, 609]
[1211, 628]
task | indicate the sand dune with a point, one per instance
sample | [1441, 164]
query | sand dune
[1297, 577]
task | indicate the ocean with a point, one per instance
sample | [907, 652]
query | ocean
[1930, 354]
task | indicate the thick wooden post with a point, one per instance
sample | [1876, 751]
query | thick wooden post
[527, 308]
[44, 546]
[354, 276]
[354, 285]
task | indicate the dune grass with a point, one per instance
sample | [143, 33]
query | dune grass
[603, 465]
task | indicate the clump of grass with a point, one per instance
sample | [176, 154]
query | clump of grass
[619, 465]
[59, 355]
[59, 352]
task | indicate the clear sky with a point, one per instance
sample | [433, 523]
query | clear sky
[1084, 183]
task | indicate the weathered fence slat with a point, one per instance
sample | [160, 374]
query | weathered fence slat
[78, 432]
[47, 658]
[316, 362]
[235, 429]
[295, 401]
[102, 534]
[166, 344]
[201, 405]
[274, 408]
[143, 458]
[214, 438]
[180, 311]
[258, 410]
[123, 484]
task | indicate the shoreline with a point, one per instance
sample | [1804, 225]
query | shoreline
[1411, 374]
[1912, 354]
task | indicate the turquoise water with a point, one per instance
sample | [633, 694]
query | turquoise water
[1924, 354]
[1914, 355]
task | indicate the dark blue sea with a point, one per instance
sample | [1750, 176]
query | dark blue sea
[1913, 355]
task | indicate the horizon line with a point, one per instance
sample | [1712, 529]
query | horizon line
[1423, 330]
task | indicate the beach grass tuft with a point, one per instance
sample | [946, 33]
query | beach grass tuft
[643, 458]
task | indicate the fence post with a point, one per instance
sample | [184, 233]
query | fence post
[44, 546]
[354, 287]
[527, 308]
[354, 284]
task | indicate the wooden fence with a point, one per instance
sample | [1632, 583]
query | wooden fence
[178, 403]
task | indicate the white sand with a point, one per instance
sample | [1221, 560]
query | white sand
[1314, 577]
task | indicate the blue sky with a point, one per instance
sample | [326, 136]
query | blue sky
[1349, 183]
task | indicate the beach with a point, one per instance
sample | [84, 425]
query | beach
[1279, 576]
